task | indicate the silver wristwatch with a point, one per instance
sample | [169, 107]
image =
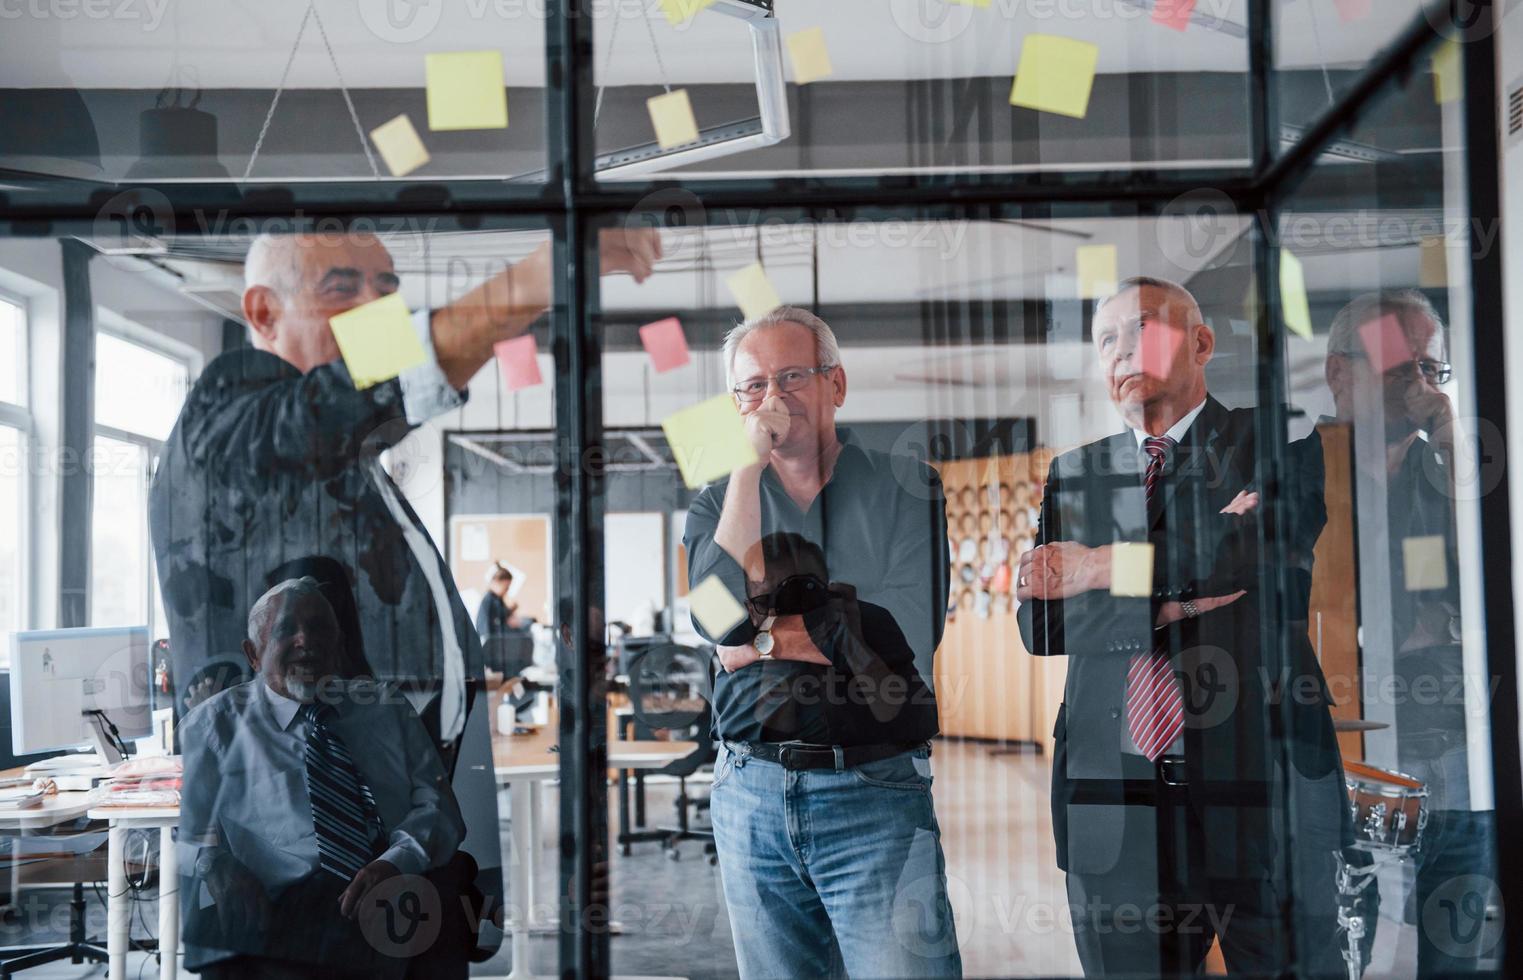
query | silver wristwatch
[764, 641]
[1190, 608]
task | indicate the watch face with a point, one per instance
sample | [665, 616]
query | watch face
[763, 642]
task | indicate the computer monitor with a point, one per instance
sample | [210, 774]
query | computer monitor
[69, 688]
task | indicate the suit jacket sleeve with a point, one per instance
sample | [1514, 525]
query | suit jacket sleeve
[431, 832]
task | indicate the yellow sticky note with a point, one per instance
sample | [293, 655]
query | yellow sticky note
[1426, 563]
[672, 115]
[1433, 263]
[679, 11]
[811, 58]
[753, 291]
[1055, 75]
[970, 3]
[1293, 302]
[709, 440]
[465, 90]
[378, 340]
[1446, 72]
[400, 146]
[1097, 270]
[716, 610]
[1132, 569]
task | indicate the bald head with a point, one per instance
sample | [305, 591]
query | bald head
[293, 284]
[1154, 346]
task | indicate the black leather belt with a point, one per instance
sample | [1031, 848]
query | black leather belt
[803, 755]
[1171, 770]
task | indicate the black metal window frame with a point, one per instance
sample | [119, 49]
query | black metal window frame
[575, 205]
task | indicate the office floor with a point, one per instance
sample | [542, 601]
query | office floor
[1006, 891]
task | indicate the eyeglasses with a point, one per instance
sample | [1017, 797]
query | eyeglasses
[794, 595]
[788, 380]
[1437, 372]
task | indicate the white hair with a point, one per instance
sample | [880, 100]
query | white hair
[1180, 294]
[1343, 336]
[265, 607]
[827, 352]
[273, 261]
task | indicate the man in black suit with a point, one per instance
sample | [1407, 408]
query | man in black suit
[1194, 745]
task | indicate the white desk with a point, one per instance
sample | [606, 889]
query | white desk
[118, 905]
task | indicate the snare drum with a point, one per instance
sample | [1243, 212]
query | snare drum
[1389, 809]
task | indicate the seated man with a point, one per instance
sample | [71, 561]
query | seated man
[303, 793]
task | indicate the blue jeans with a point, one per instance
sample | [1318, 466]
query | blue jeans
[828, 872]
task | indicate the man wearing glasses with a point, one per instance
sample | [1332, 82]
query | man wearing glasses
[829, 847]
[1385, 367]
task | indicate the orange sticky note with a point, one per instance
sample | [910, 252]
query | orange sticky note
[1097, 270]
[753, 291]
[1132, 569]
[1385, 343]
[716, 610]
[1433, 263]
[1055, 75]
[1446, 72]
[519, 360]
[680, 11]
[672, 116]
[1426, 567]
[811, 59]
[1293, 302]
[1352, 10]
[465, 90]
[400, 146]
[378, 340]
[1173, 13]
[1160, 342]
[709, 440]
[665, 344]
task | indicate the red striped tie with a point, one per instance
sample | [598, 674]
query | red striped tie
[1155, 712]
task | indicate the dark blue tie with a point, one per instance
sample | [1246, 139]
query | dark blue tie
[343, 810]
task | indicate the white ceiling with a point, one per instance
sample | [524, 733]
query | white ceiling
[149, 44]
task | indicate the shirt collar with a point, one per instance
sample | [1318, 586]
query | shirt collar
[282, 709]
[1177, 430]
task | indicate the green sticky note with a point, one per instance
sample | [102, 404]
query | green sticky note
[1055, 75]
[1132, 569]
[378, 340]
[1097, 270]
[1425, 563]
[716, 610]
[753, 291]
[709, 440]
[465, 90]
[1294, 304]
[679, 11]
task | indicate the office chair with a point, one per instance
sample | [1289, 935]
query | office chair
[670, 690]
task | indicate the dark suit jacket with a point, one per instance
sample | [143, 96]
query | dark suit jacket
[1254, 693]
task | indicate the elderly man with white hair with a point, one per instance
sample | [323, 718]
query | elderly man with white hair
[823, 818]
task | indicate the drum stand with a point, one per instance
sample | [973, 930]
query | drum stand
[1353, 882]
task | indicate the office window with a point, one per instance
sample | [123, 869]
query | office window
[11, 544]
[12, 364]
[137, 390]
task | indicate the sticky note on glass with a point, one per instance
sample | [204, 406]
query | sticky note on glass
[1293, 302]
[518, 359]
[716, 610]
[1426, 564]
[1132, 569]
[753, 291]
[1385, 343]
[672, 115]
[680, 11]
[1446, 72]
[1173, 13]
[970, 3]
[1055, 75]
[378, 340]
[1097, 270]
[1352, 10]
[709, 440]
[465, 90]
[1160, 342]
[665, 344]
[1433, 262]
[400, 146]
[811, 59]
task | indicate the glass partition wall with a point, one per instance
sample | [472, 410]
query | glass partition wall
[912, 503]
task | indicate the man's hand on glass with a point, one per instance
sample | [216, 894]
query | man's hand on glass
[631, 250]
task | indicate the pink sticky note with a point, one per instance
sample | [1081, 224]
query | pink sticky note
[1173, 13]
[1385, 343]
[519, 360]
[1352, 10]
[665, 344]
[1160, 342]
